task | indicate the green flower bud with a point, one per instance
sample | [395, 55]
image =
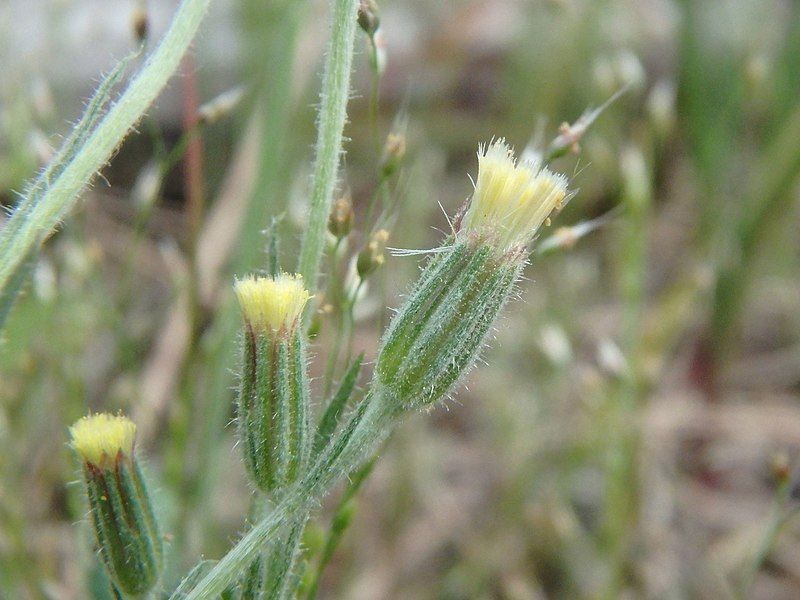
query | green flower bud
[371, 256]
[273, 395]
[394, 150]
[121, 513]
[437, 336]
[340, 221]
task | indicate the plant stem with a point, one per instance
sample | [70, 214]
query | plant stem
[337, 298]
[621, 493]
[364, 432]
[27, 229]
[769, 199]
[332, 114]
[341, 522]
[275, 111]
[283, 557]
[777, 519]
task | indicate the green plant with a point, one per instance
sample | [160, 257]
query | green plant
[617, 441]
[48, 199]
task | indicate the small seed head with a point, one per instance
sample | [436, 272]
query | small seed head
[511, 200]
[379, 53]
[272, 304]
[394, 150]
[780, 467]
[372, 256]
[99, 439]
[141, 24]
[368, 17]
[221, 106]
[661, 107]
[340, 223]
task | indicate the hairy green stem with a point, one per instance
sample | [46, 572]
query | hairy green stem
[282, 578]
[332, 114]
[341, 521]
[362, 435]
[27, 229]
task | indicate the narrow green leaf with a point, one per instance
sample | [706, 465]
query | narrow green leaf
[49, 199]
[335, 408]
[199, 571]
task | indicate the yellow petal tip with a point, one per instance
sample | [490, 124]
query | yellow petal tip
[511, 199]
[272, 303]
[99, 438]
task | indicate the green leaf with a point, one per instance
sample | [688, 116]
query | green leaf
[330, 419]
[199, 571]
[51, 196]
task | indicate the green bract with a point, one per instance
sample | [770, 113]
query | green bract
[124, 524]
[437, 335]
[273, 408]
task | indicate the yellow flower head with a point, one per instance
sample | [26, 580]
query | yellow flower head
[512, 200]
[272, 304]
[99, 438]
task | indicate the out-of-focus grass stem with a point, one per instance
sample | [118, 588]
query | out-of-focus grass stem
[195, 448]
[279, 27]
[769, 198]
[779, 515]
[620, 503]
[338, 301]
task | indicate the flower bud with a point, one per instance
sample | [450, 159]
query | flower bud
[437, 336]
[140, 24]
[220, 106]
[781, 468]
[340, 222]
[378, 54]
[121, 512]
[511, 201]
[368, 17]
[661, 107]
[372, 256]
[393, 152]
[273, 395]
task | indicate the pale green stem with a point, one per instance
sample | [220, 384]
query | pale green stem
[274, 114]
[338, 529]
[26, 230]
[337, 297]
[332, 114]
[283, 558]
[368, 427]
[778, 518]
[622, 483]
[770, 198]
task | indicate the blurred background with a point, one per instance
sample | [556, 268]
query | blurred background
[635, 429]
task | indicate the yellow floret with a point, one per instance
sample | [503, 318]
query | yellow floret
[512, 200]
[272, 303]
[99, 438]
